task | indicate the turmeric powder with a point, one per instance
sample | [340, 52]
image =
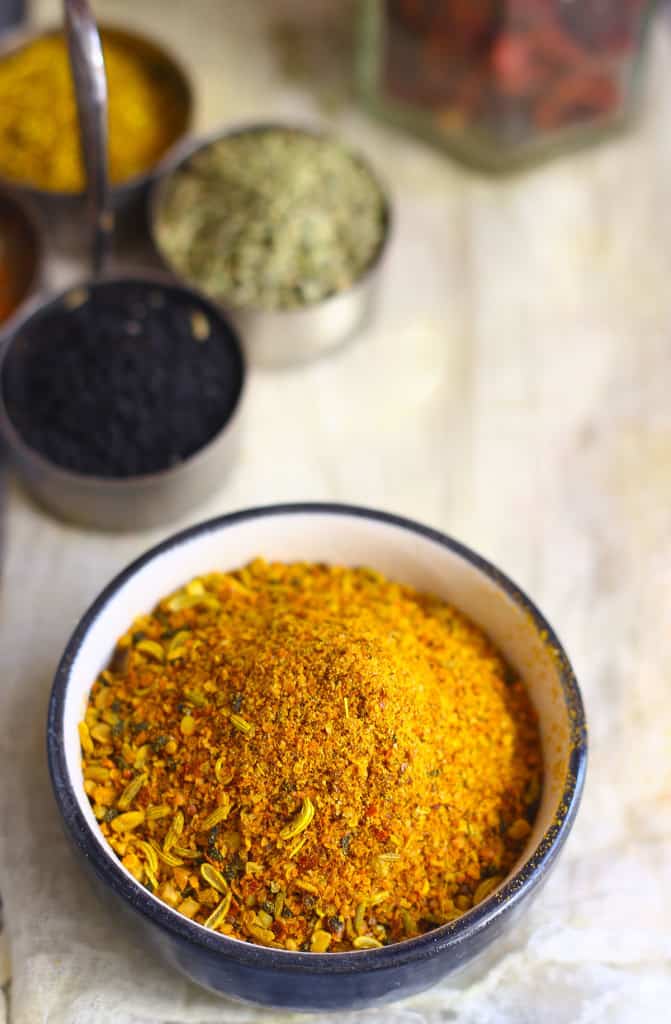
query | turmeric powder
[39, 134]
[312, 757]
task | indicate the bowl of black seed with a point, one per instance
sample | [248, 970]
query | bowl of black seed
[119, 401]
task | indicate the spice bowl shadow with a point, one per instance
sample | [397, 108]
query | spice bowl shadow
[133, 502]
[67, 213]
[276, 338]
[405, 551]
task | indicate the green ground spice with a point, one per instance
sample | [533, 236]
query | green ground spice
[276, 219]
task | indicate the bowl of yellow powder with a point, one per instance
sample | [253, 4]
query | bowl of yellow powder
[321, 755]
[150, 104]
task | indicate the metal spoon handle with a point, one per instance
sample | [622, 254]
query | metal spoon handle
[88, 72]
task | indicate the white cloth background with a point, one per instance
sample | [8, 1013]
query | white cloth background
[514, 390]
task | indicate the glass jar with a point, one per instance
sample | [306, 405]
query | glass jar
[503, 82]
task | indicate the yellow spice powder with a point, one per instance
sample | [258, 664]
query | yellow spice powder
[39, 135]
[312, 757]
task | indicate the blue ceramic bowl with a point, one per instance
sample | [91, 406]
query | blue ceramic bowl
[414, 555]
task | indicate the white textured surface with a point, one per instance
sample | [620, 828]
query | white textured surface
[514, 391]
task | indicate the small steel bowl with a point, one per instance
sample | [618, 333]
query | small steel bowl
[135, 502]
[412, 554]
[276, 338]
[26, 252]
[66, 212]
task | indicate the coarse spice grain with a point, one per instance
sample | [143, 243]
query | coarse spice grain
[271, 218]
[311, 757]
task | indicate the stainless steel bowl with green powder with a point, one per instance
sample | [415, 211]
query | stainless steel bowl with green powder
[284, 227]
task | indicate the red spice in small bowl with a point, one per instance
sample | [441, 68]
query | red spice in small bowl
[19, 256]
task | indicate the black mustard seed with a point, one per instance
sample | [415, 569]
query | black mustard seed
[133, 380]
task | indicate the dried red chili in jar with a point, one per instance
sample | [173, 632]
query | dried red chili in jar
[502, 81]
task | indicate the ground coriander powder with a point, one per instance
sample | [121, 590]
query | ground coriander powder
[271, 218]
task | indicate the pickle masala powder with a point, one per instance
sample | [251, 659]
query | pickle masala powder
[311, 757]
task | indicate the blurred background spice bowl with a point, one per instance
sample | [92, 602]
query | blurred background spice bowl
[150, 110]
[21, 258]
[402, 550]
[120, 401]
[284, 225]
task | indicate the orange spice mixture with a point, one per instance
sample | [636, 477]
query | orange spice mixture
[311, 757]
